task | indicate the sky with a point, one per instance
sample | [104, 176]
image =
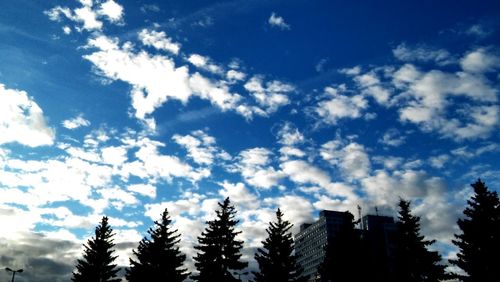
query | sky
[123, 108]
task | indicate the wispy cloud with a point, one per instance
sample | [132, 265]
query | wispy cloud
[278, 21]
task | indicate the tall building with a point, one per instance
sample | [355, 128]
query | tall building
[379, 234]
[312, 239]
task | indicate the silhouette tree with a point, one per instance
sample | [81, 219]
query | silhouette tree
[277, 263]
[218, 250]
[414, 262]
[158, 258]
[97, 263]
[479, 242]
[343, 255]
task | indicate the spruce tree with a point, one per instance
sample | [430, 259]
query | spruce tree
[343, 254]
[479, 242]
[414, 262]
[276, 260]
[158, 258]
[219, 252]
[97, 263]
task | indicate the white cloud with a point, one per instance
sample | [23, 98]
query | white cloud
[56, 13]
[22, 120]
[204, 63]
[200, 146]
[147, 190]
[439, 161]
[234, 75]
[154, 78]
[88, 18]
[392, 137]
[339, 106]
[254, 165]
[67, 30]
[88, 15]
[239, 195]
[422, 53]
[217, 93]
[114, 155]
[480, 61]
[76, 122]
[277, 21]
[112, 10]
[152, 164]
[426, 98]
[272, 96]
[158, 40]
[290, 135]
[351, 158]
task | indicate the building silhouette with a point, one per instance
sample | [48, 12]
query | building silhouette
[377, 231]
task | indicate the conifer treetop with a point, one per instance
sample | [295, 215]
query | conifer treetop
[479, 240]
[97, 262]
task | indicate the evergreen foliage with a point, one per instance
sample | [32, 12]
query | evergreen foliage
[414, 262]
[158, 258]
[276, 260]
[219, 253]
[343, 255]
[97, 263]
[479, 242]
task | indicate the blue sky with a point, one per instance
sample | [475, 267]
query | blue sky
[123, 108]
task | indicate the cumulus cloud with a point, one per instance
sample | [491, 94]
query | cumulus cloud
[151, 164]
[154, 78]
[338, 106]
[159, 41]
[392, 137]
[290, 135]
[480, 61]
[351, 158]
[431, 98]
[427, 95]
[205, 63]
[112, 11]
[255, 167]
[239, 195]
[302, 172]
[89, 16]
[22, 120]
[277, 21]
[200, 146]
[271, 96]
[76, 122]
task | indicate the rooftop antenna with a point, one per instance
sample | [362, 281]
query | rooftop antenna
[376, 210]
[359, 216]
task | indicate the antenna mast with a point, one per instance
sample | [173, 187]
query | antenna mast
[360, 220]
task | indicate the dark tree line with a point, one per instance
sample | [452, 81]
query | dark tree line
[218, 258]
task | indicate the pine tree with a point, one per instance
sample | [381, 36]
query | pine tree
[414, 262]
[277, 263]
[97, 263]
[343, 254]
[218, 250]
[479, 242]
[158, 258]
